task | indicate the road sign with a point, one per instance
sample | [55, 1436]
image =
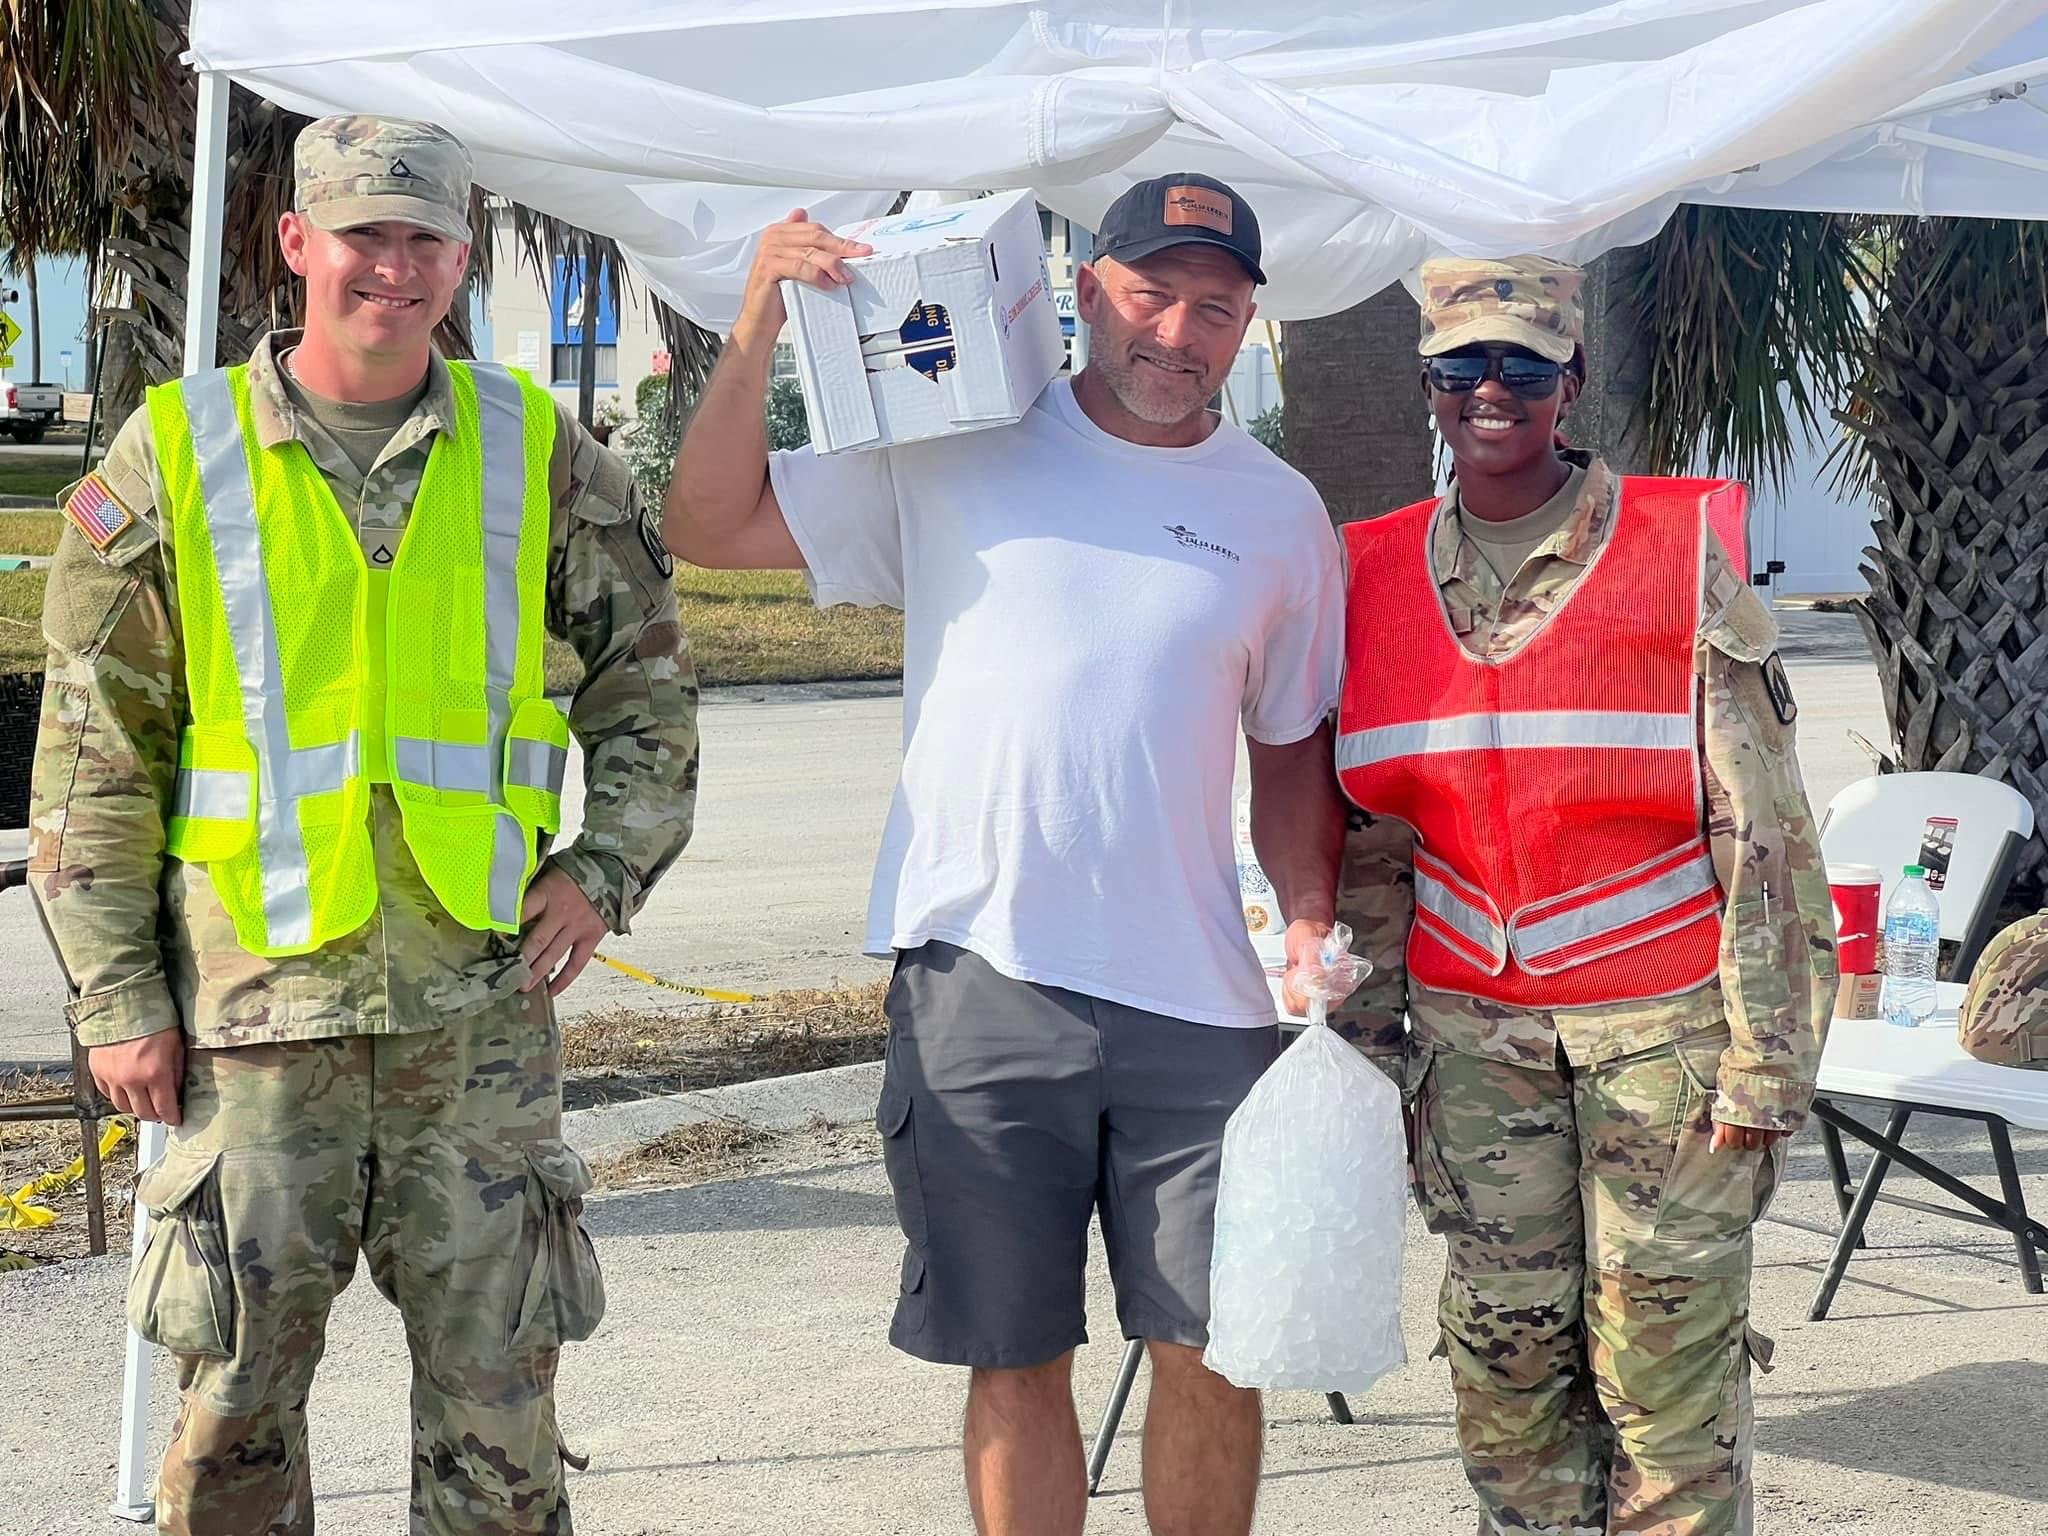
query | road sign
[6, 359]
[10, 332]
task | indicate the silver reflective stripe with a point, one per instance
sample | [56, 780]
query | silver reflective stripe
[252, 631]
[1518, 728]
[218, 794]
[538, 765]
[509, 847]
[1459, 915]
[501, 424]
[319, 770]
[1548, 935]
[444, 764]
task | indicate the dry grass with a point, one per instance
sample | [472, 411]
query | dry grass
[42, 1145]
[726, 1149]
[29, 533]
[625, 1053]
[745, 627]
[762, 627]
[21, 621]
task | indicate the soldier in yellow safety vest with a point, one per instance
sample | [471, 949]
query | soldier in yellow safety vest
[294, 799]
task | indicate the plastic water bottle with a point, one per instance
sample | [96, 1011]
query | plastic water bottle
[1261, 906]
[1912, 940]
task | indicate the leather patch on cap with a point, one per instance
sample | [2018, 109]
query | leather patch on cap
[1198, 205]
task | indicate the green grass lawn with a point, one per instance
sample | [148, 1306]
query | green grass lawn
[38, 476]
[744, 626]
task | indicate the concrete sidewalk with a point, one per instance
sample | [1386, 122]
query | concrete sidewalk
[740, 1385]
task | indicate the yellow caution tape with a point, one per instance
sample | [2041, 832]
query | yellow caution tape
[18, 1212]
[712, 993]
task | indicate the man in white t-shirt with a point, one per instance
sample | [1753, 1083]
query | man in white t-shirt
[1095, 601]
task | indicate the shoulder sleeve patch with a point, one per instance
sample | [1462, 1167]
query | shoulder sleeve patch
[95, 511]
[1778, 687]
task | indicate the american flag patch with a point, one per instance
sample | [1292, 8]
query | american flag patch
[97, 512]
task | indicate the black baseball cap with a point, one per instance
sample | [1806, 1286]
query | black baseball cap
[1184, 209]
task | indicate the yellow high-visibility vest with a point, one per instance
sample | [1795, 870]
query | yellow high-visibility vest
[287, 727]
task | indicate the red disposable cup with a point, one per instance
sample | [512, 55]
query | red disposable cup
[1857, 889]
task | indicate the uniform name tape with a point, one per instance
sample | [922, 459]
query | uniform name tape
[713, 994]
[20, 1213]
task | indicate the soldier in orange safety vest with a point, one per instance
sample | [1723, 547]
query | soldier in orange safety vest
[1583, 863]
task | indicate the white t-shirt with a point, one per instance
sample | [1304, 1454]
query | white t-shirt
[1086, 623]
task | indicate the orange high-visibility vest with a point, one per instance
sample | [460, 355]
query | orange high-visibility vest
[1555, 792]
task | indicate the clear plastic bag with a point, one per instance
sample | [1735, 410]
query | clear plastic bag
[1305, 1278]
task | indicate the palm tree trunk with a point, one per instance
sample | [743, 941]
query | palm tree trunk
[1608, 416]
[1355, 420]
[1954, 414]
[586, 357]
[35, 323]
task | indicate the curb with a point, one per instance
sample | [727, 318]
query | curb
[837, 1095]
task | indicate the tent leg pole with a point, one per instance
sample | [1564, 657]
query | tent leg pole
[134, 1487]
[132, 1490]
[209, 210]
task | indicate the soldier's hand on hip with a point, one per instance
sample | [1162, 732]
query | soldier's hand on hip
[563, 931]
[142, 1077]
[1746, 1138]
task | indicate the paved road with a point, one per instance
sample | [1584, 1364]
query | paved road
[740, 1384]
[773, 888]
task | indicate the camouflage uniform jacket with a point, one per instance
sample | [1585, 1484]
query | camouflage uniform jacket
[1777, 970]
[2005, 1014]
[145, 939]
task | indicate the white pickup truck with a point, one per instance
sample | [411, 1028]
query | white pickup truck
[29, 410]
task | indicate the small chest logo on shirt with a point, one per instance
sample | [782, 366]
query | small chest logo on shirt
[1187, 538]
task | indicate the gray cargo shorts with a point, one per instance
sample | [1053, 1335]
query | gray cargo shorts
[1010, 1113]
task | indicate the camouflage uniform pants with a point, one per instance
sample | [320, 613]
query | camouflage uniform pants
[439, 1156]
[1596, 1303]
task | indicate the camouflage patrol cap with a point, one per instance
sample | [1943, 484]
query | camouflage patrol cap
[363, 170]
[1524, 301]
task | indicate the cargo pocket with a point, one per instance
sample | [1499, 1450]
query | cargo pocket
[1709, 1199]
[562, 1297]
[899, 1158]
[1437, 1192]
[182, 1294]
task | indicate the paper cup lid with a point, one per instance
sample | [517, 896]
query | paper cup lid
[1854, 874]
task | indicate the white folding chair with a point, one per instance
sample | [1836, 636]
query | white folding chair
[1881, 821]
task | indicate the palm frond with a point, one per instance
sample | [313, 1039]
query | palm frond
[539, 239]
[1761, 322]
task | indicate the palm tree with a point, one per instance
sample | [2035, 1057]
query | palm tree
[97, 124]
[1951, 410]
[1353, 416]
[1740, 331]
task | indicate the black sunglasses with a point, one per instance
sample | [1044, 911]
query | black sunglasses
[1526, 378]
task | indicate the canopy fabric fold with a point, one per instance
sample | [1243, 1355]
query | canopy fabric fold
[1365, 139]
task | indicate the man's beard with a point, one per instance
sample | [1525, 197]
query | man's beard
[1148, 393]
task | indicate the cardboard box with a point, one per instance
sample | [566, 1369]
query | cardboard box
[948, 327]
[1859, 997]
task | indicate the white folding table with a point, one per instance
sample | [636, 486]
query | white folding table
[1924, 1071]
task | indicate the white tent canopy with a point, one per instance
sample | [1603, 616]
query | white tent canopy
[1364, 139]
